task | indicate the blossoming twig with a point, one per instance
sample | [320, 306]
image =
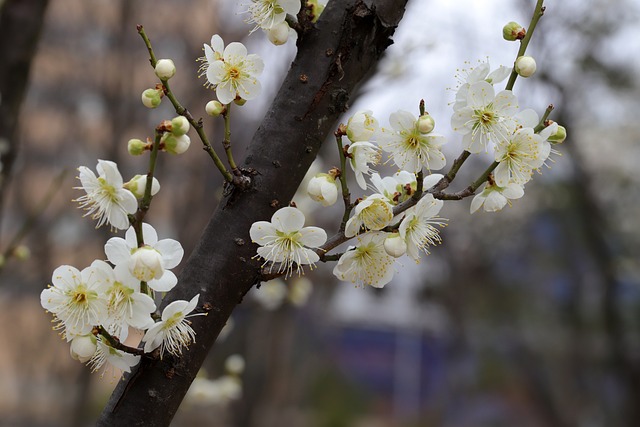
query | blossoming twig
[537, 14]
[346, 196]
[197, 125]
[115, 342]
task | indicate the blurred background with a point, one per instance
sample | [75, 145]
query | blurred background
[526, 317]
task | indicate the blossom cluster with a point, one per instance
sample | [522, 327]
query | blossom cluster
[96, 307]
[488, 121]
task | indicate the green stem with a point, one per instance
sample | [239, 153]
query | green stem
[197, 125]
[226, 143]
[537, 14]
[544, 118]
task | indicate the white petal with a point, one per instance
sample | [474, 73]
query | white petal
[149, 234]
[513, 191]
[109, 170]
[288, 219]
[480, 95]
[164, 284]
[494, 202]
[176, 307]
[402, 120]
[477, 201]
[117, 251]
[234, 50]
[171, 251]
[262, 232]
[225, 93]
[313, 237]
[501, 174]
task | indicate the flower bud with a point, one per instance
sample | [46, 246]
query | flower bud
[147, 264]
[426, 123]
[513, 31]
[279, 34]
[179, 125]
[323, 188]
[525, 66]
[214, 108]
[559, 136]
[151, 97]
[136, 147]
[361, 126]
[394, 245]
[83, 347]
[138, 184]
[165, 69]
[175, 144]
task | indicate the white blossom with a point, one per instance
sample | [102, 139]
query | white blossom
[418, 227]
[367, 263]
[284, 240]
[361, 155]
[77, 298]
[362, 126]
[467, 77]
[173, 331]
[116, 358]
[266, 14]
[149, 263]
[518, 155]
[106, 200]
[487, 117]
[323, 188]
[494, 198]
[375, 212]
[410, 149]
[234, 74]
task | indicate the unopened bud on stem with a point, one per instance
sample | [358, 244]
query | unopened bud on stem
[165, 69]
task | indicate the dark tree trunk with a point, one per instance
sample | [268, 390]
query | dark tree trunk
[332, 59]
[20, 27]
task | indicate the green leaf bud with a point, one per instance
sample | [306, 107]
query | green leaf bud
[151, 98]
[175, 144]
[214, 108]
[559, 136]
[179, 125]
[136, 147]
[513, 31]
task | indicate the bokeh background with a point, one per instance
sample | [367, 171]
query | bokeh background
[527, 317]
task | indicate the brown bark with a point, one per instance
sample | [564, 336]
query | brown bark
[20, 27]
[332, 59]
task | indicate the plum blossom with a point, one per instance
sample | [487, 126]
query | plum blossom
[518, 155]
[361, 155]
[375, 212]
[362, 126]
[467, 77]
[417, 229]
[487, 117]
[367, 263]
[77, 298]
[106, 200]
[323, 188]
[267, 14]
[116, 358]
[173, 331]
[284, 240]
[493, 198]
[410, 149]
[233, 73]
[149, 263]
